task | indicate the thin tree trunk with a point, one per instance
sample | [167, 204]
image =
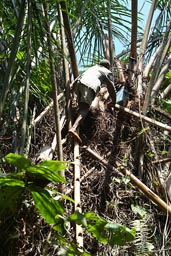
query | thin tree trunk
[111, 48]
[27, 88]
[11, 62]
[133, 52]
[156, 69]
[161, 78]
[69, 39]
[54, 86]
[140, 141]
[166, 91]
[77, 196]
[143, 47]
[66, 71]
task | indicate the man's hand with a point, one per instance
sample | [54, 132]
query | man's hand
[110, 105]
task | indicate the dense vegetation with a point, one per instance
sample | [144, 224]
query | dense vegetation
[111, 194]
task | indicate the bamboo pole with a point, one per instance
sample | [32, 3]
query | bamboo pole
[54, 88]
[77, 196]
[122, 170]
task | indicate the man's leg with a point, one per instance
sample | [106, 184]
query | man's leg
[83, 111]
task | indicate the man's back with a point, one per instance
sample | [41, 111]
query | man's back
[95, 77]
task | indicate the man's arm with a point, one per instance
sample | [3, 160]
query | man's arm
[111, 90]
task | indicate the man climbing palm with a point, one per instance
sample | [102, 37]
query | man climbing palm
[87, 86]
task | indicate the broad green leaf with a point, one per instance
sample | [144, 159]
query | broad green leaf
[95, 225]
[98, 232]
[120, 234]
[94, 216]
[18, 161]
[7, 181]
[54, 165]
[79, 218]
[40, 172]
[149, 246]
[49, 208]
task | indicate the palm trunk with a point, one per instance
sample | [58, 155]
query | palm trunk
[54, 86]
[69, 39]
[77, 196]
[143, 47]
[133, 53]
[24, 124]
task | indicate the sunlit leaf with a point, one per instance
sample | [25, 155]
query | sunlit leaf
[79, 218]
[120, 234]
[7, 181]
[95, 225]
[18, 161]
[38, 172]
[54, 165]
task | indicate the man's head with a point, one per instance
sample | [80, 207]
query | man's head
[105, 63]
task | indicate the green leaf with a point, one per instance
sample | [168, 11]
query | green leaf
[68, 198]
[150, 247]
[39, 172]
[120, 234]
[138, 210]
[7, 181]
[20, 55]
[79, 218]
[95, 225]
[18, 161]
[49, 208]
[54, 165]
[164, 152]
[72, 251]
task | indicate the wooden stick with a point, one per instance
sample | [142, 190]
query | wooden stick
[45, 111]
[77, 195]
[160, 161]
[145, 118]
[122, 170]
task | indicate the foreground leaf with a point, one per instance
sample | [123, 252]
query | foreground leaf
[8, 181]
[18, 161]
[78, 218]
[50, 209]
[37, 172]
[95, 225]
